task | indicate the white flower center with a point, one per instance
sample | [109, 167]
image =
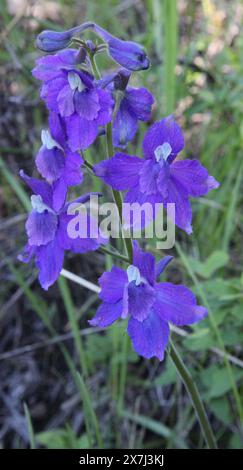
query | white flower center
[38, 204]
[75, 82]
[48, 141]
[162, 152]
[133, 274]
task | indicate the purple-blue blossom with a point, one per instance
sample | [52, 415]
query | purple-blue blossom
[135, 104]
[56, 162]
[47, 231]
[76, 97]
[159, 178]
[129, 54]
[149, 305]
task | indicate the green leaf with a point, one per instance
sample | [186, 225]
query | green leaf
[215, 261]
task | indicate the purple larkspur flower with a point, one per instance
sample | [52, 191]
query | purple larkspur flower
[135, 105]
[75, 96]
[47, 231]
[129, 54]
[56, 163]
[149, 305]
[158, 178]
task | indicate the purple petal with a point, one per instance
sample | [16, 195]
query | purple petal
[59, 188]
[120, 171]
[48, 67]
[139, 102]
[81, 133]
[112, 285]
[150, 337]
[38, 187]
[50, 163]
[106, 106]
[73, 173]
[140, 300]
[161, 265]
[27, 254]
[145, 262]
[49, 260]
[177, 304]
[166, 130]
[65, 101]
[163, 179]
[87, 104]
[124, 127]
[41, 228]
[107, 314]
[79, 242]
[57, 129]
[183, 212]
[192, 177]
[148, 177]
[140, 217]
[50, 92]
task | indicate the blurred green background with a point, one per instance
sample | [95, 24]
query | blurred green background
[121, 400]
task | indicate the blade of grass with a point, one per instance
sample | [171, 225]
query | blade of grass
[67, 299]
[91, 417]
[155, 427]
[230, 217]
[170, 53]
[30, 427]
[15, 185]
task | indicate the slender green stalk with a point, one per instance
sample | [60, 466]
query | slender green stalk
[170, 53]
[73, 323]
[114, 254]
[194, 395]
[30, 427]
[90, 413]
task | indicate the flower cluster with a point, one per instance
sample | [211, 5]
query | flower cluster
[80, 105]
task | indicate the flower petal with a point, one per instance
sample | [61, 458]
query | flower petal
[183, 212]
[50, 92]
[87, 104]
[81, 133]
[177, 304]
[148, 177]
[106, 105]
[192, 177]
[49, 66]
[139, 101]
[125, 126]
[145, 262]
[65, 101]
[107, 314]
[49, 260]
[150, 337]
[120, 171]
[50, 163]
[166, 130]
[57, 128]
[41, 228]
[112, 285]
[38, 187]
[140, 300]
[161, 265]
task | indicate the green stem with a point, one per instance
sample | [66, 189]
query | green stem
[65, 292]
[194, 395]
[116, 194]
[114, 254]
